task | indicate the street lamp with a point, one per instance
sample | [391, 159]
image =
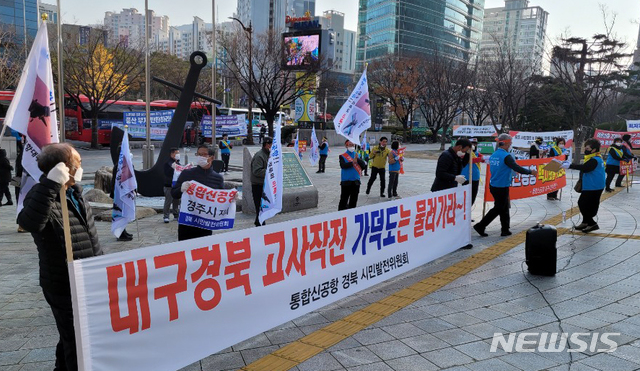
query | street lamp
[249, 31]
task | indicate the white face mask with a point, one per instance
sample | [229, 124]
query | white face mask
[351, 149]
[202, 161]
[176, 157]
[460, 154]
[561, 146]
[78, 175]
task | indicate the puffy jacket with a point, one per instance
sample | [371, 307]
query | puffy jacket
[5, 167]
[259, 167]
[168, 172]
[449, 165]
[42, 216]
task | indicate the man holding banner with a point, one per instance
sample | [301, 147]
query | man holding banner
[42, 215]
[501, 164]
[351, 166]
[203, 174]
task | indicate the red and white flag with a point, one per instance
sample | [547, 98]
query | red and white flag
[124, 190]
[33, 109]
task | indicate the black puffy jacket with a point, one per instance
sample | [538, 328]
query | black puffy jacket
[42, 216]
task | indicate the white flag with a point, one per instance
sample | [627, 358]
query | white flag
[124, 190]
[355, 115]
[32, 111]
[314, 155]
[272, 189]
[364, 143]
[296, 146]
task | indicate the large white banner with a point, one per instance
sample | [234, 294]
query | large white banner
[273, 183]
[164, 307]
[207, 208]
[354, 116]
[124, 190]
[524, 139]
[474, 131]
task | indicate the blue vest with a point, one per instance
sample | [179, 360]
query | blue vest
[594, 180]
[501, 174]
[351, 173]
[475, 171]
[325, 151]
[395, 166]
[226, 149]
[612, 161]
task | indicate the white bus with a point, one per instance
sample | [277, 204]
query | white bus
[258, 116]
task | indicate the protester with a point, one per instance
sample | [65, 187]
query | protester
[5, 178]
[628, 156]
[556, 150]
[124, 236]
[378, 157]
[592, 177]
[535, 151]
[351, 166]
[614, 156]
[476, 159]
[258, 171]
[188, 135]
[170, 204]
[263, 133]
[363, 153]
[450, 164]
[203, 174]
[395, 162]
[324, 152]
[42, 216]
[225, 152]
[502, 164]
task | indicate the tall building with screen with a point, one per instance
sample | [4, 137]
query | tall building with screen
[419, 28]
[22, 21]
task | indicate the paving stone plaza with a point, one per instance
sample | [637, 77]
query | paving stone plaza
[472, 294]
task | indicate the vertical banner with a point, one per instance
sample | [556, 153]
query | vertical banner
[164, 307]
[272, 191]
[32, 111]
[314, 152]
[124, 190]
[355, 115]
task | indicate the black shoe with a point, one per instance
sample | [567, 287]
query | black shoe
[591, 228]
[124, 237]
[609, 190]
[317, 172]
[480, 230]
[8, 203]
[382, 195]
[368, 191]
[129, 235]
[506, 233]
[581, 226]
[467, 247]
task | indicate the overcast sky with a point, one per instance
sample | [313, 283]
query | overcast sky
[579, 17]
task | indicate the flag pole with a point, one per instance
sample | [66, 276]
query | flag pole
[60, 105]
[65, 223]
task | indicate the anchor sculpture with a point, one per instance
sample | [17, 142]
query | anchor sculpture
[150, 182]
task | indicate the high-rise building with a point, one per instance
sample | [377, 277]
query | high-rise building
[344, 41]
[299, 8]
[184, 40]
[22, 21]
[519, 28]
[418, 28]
[263, 15]
[128, 26]
[50, 10]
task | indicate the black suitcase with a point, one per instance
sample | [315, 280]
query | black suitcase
[540, 250]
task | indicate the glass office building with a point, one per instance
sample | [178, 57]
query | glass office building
[419, 28]
[20, 17]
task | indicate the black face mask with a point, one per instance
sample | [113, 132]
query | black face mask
[538, 143]
[587, 152]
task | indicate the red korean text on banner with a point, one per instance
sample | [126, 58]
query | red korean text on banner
[606, 137]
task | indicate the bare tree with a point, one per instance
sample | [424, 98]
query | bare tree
[398, 82]
[272, 84]
[102, 74]
[445, 90]
[479, 103]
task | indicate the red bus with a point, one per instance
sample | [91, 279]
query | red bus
[78, 127]
[5, 101]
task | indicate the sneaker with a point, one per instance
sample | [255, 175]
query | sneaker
[8, 203]
[553, 198]
[467, 247]
[506, 233]
[480, 230]
[396, 196]
[609, 190]
[166, 219]
[591, 228]
[124, 237]
[581, 226]
[318, 172]
[382, 195]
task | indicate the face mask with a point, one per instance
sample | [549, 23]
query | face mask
[561, 146]
[78, 175]
[587, 152]
[177, 157]
[475, 147]
[617, 144]
[202, 161]
[351, 149]
[460, 154]
[538, 143]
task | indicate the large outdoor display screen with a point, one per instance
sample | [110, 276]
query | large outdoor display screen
[301, 50]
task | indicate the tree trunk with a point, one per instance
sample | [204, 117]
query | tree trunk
[94, 132]
[443, 141]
